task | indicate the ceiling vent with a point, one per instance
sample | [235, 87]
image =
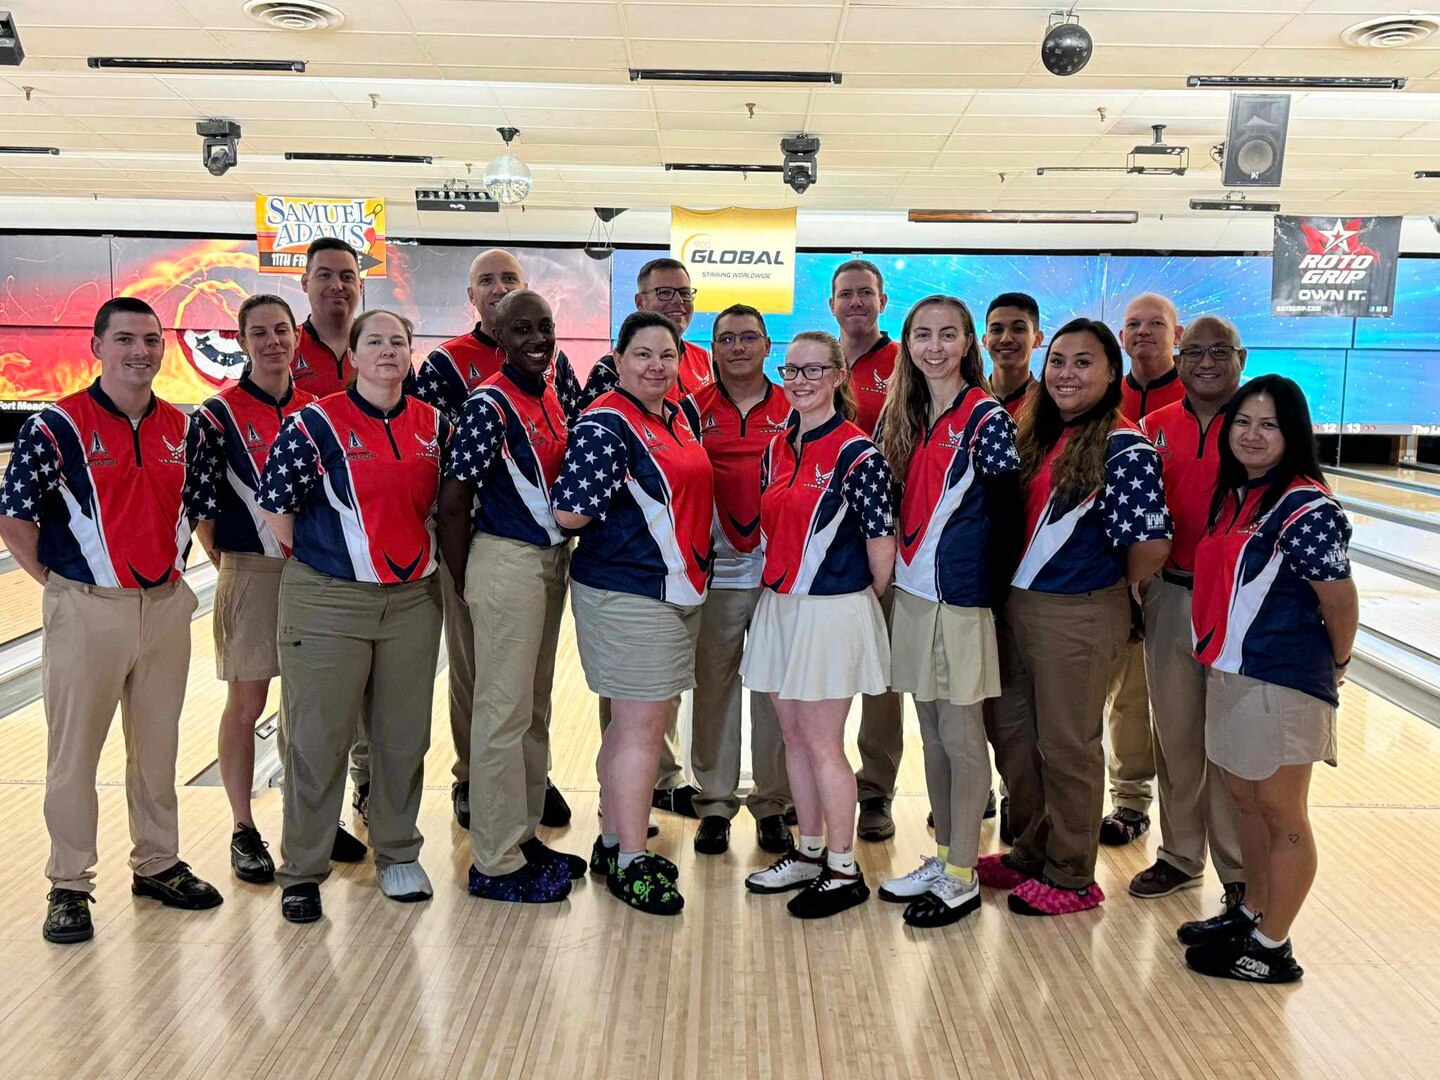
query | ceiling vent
[1390, 31]
[295, 14]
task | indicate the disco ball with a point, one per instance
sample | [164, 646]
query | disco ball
[1066, 49]
[507, 179]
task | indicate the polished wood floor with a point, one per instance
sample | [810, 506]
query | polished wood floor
[733, 987]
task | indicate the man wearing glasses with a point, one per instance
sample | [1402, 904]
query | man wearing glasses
[1194, 805]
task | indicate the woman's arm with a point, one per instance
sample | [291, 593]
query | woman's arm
[205, 533]
[1340, 608]
[453, 529]
[283, 526]
[571, 522]
[1144, 559]
[881, 554]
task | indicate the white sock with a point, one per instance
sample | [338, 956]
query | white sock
[812, 846]
[842, 862]
[1269, 943]
[610, 839]
[1251, 915]
[627, 857]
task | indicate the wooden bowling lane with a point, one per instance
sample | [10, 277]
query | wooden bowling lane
[1380, 492]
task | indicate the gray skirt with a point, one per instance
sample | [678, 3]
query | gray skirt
[634, 648]
[1252, 728]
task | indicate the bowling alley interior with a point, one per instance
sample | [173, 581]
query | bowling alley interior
[1264, 172]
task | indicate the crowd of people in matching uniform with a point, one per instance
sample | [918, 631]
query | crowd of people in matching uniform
[1014, 553]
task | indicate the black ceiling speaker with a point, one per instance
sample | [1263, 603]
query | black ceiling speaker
[1067, 46]
[1255, 141]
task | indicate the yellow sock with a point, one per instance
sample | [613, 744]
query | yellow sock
[964, 873]
[944, 851]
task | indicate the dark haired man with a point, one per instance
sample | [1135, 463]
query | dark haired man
[1012, 334]
[97, 506]
[334, 287]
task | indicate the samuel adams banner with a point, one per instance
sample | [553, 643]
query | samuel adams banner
[737, 256]
[285, 226]
[1335, 266]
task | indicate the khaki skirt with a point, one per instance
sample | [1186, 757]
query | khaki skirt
[1252, 728]
[246, 617]
[817, 648]
[940, 652]
[634, 648]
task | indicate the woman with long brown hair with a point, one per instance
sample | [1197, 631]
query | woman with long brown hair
[949, 442]
[1096, 524]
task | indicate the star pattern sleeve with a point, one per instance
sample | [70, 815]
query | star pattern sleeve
[291, 470]
[868, 490]
[1316, 545]
[200, 497]
[1134, 498]
[568, 388]
[433, 388]
[993, 448]
[602, 379]
[478, 437]
[595, 464]
[33, 472]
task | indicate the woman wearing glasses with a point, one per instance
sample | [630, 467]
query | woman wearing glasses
[637, 485]
[818, 637]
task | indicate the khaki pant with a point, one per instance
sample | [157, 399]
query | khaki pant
[460, 668]
[516, 596]
[107, 647]
[1194, 805]
[716, 735]
[1131, 765]
[351, 648]
[957, 775]
[1010, 727]
[1069, 646]
[881, 739]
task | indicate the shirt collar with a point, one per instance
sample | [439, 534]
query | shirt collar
[1016, 395]
[254, 390]
[308, 327]
[370, 410]
[815, 433]
[1154, 384]
[667, 407]
[531, 384]
[884, 341]
[109, 406]
[724, 390]
[483, 338]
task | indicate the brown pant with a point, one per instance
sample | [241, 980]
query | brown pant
[1069, 646]
[1194, 805]
[516, 596]
[716, 720]
[351, 648]
[1131, 765]
[957, 775]
[460, 668]
[1010, 727]
[881, 739]
[106, 647]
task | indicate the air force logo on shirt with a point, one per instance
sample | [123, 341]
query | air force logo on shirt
[821, 481]
[174, 453]
[429, 448]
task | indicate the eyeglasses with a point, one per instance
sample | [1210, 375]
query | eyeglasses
[808, 372]
[749, 339]
[1194, 353]
[665, 293]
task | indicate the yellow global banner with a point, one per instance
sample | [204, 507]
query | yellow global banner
[737, 256]
[286, 225]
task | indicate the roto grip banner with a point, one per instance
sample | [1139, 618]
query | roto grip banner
[1335, 266]
[737, 256]
[285, 226]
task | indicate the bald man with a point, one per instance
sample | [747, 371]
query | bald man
[1149, 334]
[445, 380]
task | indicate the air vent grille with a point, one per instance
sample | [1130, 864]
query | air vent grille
[1390, 31]
[295, 14]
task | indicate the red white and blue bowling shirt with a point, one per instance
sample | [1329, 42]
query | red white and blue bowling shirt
[870, 379]
[696, 372]
[1138, 401]
[1015, 400]
[736, 443]
[114, 499]
[825, 493]
[1254, 612]
[1190, 463]
[1079, 546]
[508, 445]
[944, 522]
[362, 485]
[446, 377]
[237, 428]
[646, 482]
[316, 369]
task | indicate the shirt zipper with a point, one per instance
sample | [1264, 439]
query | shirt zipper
[391, 436]
[135, 438]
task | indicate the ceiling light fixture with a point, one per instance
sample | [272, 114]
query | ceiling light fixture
[720, 166]
[54, 151]
[1067, 46]
[1427, 174]
[374, 159]
[825, 78]
[457, 196]
[605, 216]
[156, 63]
[11, 51]
[1296, 82]
[1025, 217]
[1235, 201]
[507, 178]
